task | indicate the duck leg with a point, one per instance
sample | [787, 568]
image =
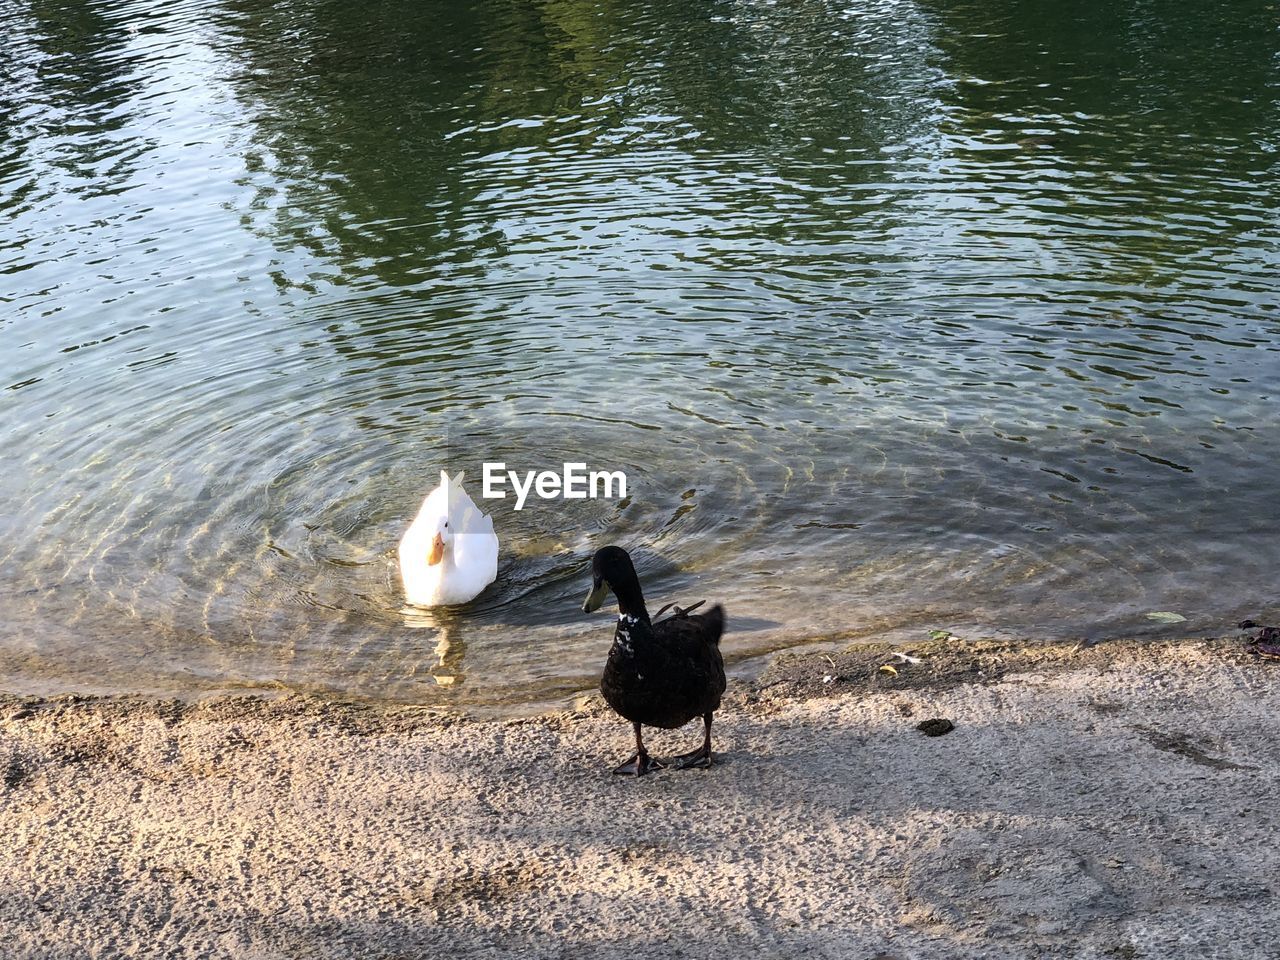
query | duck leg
[641, 763]
[700, 758]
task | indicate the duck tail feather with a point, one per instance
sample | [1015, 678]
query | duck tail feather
[715, 621]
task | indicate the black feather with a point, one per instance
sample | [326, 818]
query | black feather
[659, 674]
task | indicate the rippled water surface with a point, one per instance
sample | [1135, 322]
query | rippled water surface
[897, 315]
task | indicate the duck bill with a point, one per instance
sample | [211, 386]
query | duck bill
[437, 551]
[595, 597]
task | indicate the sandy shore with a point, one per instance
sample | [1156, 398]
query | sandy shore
[1117, 801]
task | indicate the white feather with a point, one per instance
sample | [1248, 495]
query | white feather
[470, 560]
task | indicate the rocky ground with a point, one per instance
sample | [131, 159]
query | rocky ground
[1114, 801]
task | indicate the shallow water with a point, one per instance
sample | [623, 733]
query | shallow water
[897, 316]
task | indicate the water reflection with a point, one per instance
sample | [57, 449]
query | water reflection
[447, 629]
[76, 61]
[896, 315]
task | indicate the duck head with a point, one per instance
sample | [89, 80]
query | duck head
[448, 495]
[611, 569]
[439, 541]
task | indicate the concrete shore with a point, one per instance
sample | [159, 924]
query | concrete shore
[1115, 801]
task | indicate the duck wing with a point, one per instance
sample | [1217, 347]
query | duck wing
[691, 644]
[684, 626]
[665, 674]
[475, 544]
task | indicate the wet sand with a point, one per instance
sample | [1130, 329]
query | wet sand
[1116, 801]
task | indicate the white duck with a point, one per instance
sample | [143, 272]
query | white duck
[450, 552]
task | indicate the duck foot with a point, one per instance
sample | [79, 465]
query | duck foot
[639, 765]
[699, 759]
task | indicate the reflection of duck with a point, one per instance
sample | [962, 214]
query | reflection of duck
[450, 650]
[450, 653]
[450, 552]
[658, 674]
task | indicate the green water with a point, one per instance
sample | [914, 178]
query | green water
[897, 315]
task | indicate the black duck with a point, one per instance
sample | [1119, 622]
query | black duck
[659, 674]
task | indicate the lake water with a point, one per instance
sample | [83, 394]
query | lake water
[897, 315]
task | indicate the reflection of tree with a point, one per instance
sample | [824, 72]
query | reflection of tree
[400, 134]
[1101, 122]
[76, 67]
[359, 108]
[1172, 69]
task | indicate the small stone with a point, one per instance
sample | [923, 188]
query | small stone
[935, 726]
